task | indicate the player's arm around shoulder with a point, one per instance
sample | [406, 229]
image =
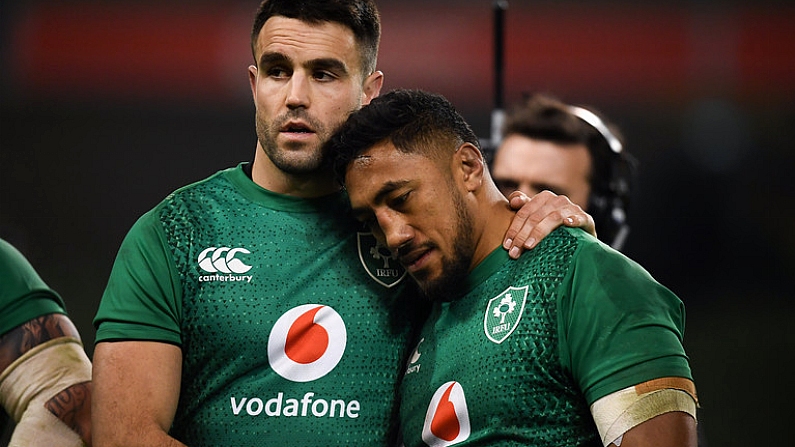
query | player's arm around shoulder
[136, 391]
[536, 217]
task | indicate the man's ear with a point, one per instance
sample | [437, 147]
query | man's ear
[252, 80]
[470, 161]
[372, 86]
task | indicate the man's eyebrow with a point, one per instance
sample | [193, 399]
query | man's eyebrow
[324, 63]
[272, 58]
[562, 191]
[328, 63]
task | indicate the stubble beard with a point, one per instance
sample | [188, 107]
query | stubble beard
[294, 159]
[456, 268]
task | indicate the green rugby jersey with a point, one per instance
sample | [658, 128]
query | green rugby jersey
[519, 358]
[23, 294]
[287, 339]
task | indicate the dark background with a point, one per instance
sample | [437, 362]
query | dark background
[106, 107]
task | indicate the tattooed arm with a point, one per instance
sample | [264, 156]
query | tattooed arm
[26, 336]
[45, 378]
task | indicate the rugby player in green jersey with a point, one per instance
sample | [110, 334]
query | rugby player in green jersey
[244, 309]
[573, 344]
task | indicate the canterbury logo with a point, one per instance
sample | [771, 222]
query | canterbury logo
[307, 342]
[447, 418]
[413, 365]
[223, 260]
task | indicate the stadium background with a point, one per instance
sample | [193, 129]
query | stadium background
[106, 107]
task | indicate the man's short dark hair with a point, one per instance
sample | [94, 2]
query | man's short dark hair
[546, 118]
[360, 16]
[414, 121]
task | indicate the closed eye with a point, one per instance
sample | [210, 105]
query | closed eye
[397, 202]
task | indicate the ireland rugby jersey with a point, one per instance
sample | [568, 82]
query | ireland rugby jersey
[23, 295]
[519, 355]
[290, 323]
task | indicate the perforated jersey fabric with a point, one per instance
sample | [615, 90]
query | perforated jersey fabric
[286, 338]
[519, 355]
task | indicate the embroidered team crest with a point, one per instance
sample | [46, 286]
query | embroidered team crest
[504, 312]
[378, 261]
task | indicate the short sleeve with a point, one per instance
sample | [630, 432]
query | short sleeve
[142, 300]
[619, 326]
[23, 294]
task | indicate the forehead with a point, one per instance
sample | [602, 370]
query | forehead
[526, 158]
[301, 41]
[382, 167]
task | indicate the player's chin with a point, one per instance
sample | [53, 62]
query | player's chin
[434, 288]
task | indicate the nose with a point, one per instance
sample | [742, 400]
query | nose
[298, 91]
[393, 230]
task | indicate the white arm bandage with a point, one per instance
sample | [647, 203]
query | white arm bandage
[618, 412]
[35, 378]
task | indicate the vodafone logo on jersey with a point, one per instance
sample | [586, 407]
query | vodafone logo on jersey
[447, 418]
[307, 342]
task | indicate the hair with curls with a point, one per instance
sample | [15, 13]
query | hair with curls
[414, 121]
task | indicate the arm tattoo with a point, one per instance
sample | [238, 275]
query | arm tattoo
[73, 407]
[73, 404]
[26, 336]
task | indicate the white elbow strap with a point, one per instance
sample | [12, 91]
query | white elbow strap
[618, 412]
[32, 380]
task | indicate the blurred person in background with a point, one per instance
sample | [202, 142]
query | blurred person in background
[249, 308]
[45, 374]
[572, 151]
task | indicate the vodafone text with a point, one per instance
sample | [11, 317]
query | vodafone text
[306, 406]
